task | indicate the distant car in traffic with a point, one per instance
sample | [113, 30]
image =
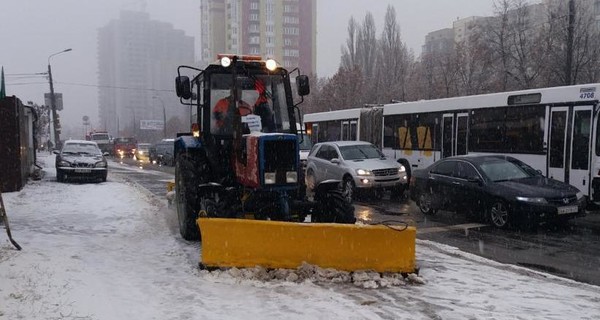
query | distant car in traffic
[80, 159]
[124, 147]
[142, 152]
[162, 152]
[359, 165]
[501, 190]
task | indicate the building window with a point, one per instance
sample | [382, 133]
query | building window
[254, 40]
[253, 17]
[290, 53]
[291, 31]
[290, 8]
[254, 6]
[270, 8]
[291, 20]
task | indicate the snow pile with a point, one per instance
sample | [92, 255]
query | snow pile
[311, 273]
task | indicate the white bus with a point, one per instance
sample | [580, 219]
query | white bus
[553, 130]
[349, 124]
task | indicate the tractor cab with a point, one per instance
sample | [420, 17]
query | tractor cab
[243, 94]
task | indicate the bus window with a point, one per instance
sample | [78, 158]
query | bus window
[404, 138]
[424, 138]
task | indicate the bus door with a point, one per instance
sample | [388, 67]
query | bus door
[348, 130]
[454, 138]
[314, 134]
[581, 134]
[557, 151]
[447, 132]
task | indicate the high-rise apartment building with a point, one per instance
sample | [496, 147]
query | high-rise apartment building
[137, 64]
[281, 29]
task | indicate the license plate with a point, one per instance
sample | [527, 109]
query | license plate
[83, 170]
[568, 209]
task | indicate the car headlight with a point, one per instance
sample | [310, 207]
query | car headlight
[579, 195]
[402, 169]
[269, 177]
[100, 164]
[63, 163]
[363, 172]
[532, 200]
[291, 177]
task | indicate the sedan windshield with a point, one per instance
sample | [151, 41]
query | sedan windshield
[501, 170]
[358, 152]
[81, 148]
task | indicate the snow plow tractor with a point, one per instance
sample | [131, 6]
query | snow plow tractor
[238, 176]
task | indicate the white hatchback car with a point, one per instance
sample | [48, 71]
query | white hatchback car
[358, 164]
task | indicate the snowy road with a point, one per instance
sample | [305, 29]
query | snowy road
[106, 251]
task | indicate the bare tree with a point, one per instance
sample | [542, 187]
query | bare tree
[344, 90]
[393, 61]
[367, 46]
[572, 42]
[473, 64]
[349, 52]
[496, 33]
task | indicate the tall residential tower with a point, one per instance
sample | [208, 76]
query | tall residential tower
[137, 62]
[281, 29]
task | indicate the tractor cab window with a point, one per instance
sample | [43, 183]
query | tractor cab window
[260, 101]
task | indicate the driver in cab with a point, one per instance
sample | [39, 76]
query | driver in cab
[223, 114]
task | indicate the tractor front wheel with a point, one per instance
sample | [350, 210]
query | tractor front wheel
[335, 208]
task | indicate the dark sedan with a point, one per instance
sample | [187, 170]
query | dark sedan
[499, 189]
[80, 159]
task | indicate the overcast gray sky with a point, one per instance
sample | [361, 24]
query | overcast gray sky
[31, 30]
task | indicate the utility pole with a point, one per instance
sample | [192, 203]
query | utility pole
[54, 135]
[570, 36]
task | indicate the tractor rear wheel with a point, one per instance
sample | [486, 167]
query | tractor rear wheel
[186, 193]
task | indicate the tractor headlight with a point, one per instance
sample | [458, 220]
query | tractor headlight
[225, 62]
[291, 177]
[269, 177]
[271, 64]
[363, 172]
[100, 164]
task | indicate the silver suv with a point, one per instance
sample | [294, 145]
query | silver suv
[358, 164]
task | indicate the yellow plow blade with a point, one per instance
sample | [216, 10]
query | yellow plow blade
[272, 244]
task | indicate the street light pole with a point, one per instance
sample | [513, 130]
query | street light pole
[164, 116]
[54, 135]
